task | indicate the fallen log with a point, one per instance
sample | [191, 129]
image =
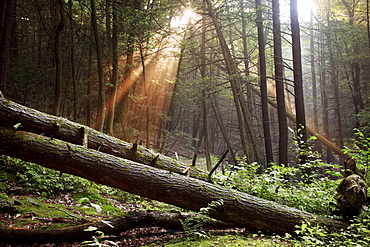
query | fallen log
[238, 208]
[114, 226]
[28, 119]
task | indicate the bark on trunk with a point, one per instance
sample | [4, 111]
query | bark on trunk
[35, 121]
[238, 208]
[134, 219]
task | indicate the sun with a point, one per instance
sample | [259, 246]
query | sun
[182, 20]
[304, 10]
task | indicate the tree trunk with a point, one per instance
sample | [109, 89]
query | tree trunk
[34, 121]
[334, 81]
[263, 84]
[6, 25]
[192, 194]
[324, 99]
[134, 219]
[72, 60]
[298, 81]
[204, 98]
[100, 118]
[58, 59]
[313, 75]
[279, 81]
[221, 126]
[114, 78]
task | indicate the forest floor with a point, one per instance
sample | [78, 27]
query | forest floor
[65, 210]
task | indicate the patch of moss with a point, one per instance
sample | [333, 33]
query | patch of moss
[93, 197]
[227, 240]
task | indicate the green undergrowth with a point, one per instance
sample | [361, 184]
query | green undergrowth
[43, 195]
[44, 198]
[229, 240]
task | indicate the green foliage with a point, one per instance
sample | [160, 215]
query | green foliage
[360, 152]
[193, 226]
[36, 179]
[286, 185]
[98, 239]
[357, 234]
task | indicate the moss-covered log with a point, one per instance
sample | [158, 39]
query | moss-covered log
[171, 221]
[28, 119]
[238, 208]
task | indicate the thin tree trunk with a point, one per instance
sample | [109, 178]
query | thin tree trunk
[313, 75]
[245, 54]
[334, 81]
[235, 207]
[204, 99]
[263, 84]
[100, 118]
[88, 90]
[5, 40]
[221, 126]
[146, 95]
[58, 59]
[72, 54]
[279, 81]
[324, 101]
[298, 81]
[114, 79]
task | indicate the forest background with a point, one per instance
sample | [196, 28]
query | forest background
[204, 77]
[157, 72]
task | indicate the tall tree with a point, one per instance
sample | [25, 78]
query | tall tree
[313, 75]
[279, 82]
[114, 78]
[204, 99]
[72, 59]
[263, 83]
[334, 80]
[58, 58]
[100, 119]
[298, 80]
[7, 11]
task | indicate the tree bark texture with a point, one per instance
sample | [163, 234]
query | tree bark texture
[6, 26]
[279, 82]
[298, 80]
[35, 121]
[122, 223]
[263, 84]
[100, 118]
[58, 59]
[238, 208]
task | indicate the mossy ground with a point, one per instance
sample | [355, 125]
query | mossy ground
[229, 240]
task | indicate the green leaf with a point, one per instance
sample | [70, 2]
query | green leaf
[97, 207]
[90, 229]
